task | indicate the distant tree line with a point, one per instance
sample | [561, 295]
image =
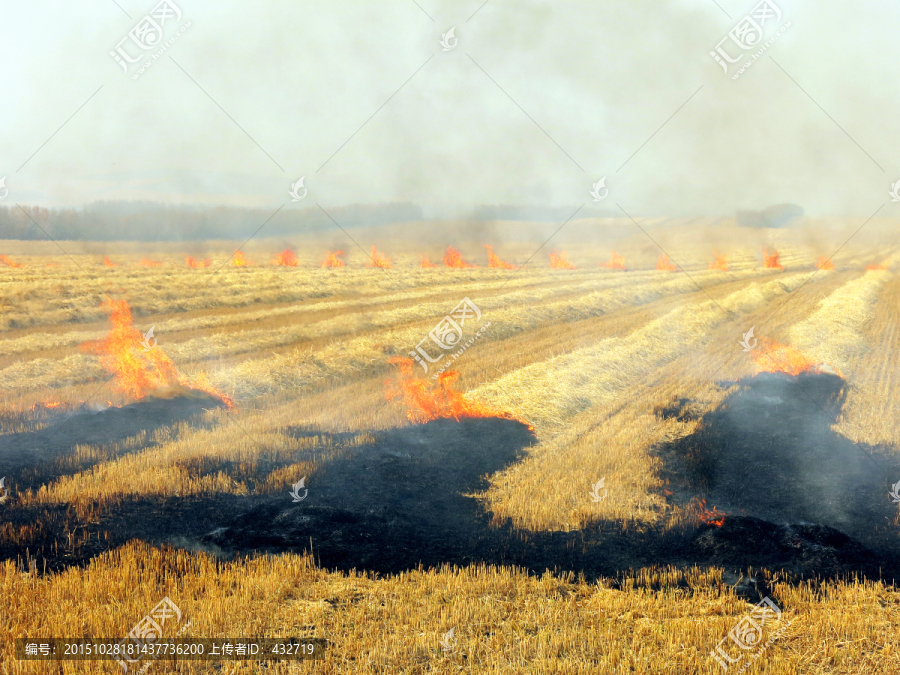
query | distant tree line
[150, 221]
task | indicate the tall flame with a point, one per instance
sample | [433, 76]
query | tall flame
[663, 263]
[146, 262]
[616, 262]
[286, 258]
[426, 401]
[332, 259]
[426, 262]
[453, 258]
[108, 262]
[138, 372]
[558, 261]
[771, 261]
[9, 263]
[720, 263]
[825, 263]
[495, 261]
[774, 357]
[240, 260]
[194, 263]
[379, 260]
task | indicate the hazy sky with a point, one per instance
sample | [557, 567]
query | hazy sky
[599, 77]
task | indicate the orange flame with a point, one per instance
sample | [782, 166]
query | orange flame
[869, 268]
[771, 261]
[9, 263]
[495, 262]
[138, 372]
[558, 261]
[426, 401]
[240, 260]
[825, 263]
[108, 262]
[452, 258]
[146, 262]
[195, 264]
[332, 259]
[285, 259]
[714, 517]
[665, 264]
[616, 262]
[720, 263]
[426, 262]
[774, 357]
[379, 260]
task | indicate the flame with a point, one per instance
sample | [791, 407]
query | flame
[426, 262]
[616, 262]
[286, 258]
[825, 263]
[9, 263]
[452, 258]
[665, 264]
[558, 261]
[426, 401]
[240, 260]
[771, 261]
[49, 404]
[194, 263]
[774, 357]
[495, 262]
[714, 517]
[720, 263]
[150, 263]
[379, 260]
[332, 259]
[869, 268]
[139, 372]
[108, 262]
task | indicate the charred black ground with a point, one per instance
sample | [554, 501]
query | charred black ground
[801, 497]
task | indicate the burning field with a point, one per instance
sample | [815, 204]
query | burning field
[630, 448]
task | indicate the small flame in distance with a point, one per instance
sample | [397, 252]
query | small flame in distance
[426, 262]
[108, 262]
[9, 263]
[333, 260]
[453, 258]
[663, 263]
[774, 357]
[558, 261]
[426, 401]
[285, 259]
[869, 268]
[720, 262]
[379, 260]
[146, 262]
[771, 261]
[495, 262]
[240, 260]
[193, 263]
[714, 517]
[616, 262]
[825, 263]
